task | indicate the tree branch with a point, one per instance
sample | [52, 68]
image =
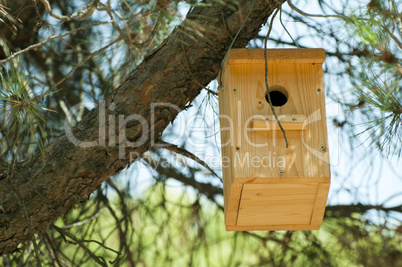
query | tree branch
[208, 190]
[184, 152]
[78, 162]
[82, 14]
[346, 210]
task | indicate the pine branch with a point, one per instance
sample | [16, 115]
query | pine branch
[186, 153]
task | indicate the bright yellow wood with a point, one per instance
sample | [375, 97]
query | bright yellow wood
[291, 227]
[290, 56]
[233, 204]
[288, 122]
[256, 160]
[281, 180]
[319, 204]
[276, 203]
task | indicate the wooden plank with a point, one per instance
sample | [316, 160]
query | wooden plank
[276, 204]
[284, 56]
[303, 157]
[289, 227]
[232, 207]
[226, 121]
[320, 203]
[284, 180]
[288, 122]
[324, 163]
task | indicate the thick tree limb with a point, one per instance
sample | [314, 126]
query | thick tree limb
[71, 172]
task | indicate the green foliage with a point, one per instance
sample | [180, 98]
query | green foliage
[358, 242]
[377, 74]
[22, 126]
[172, 226]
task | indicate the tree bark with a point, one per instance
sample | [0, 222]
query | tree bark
[40, 191]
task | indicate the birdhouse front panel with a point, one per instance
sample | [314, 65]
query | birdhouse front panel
[268, 186]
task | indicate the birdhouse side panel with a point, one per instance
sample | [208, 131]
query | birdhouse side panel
[231, 192]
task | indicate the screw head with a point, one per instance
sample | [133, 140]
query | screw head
[237, 148]
[234, 90]
[322, 147]
[318, 90]
[293, 119]
[281, 172]
[266, 119]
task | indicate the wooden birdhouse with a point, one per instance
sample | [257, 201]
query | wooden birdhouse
[266, 185]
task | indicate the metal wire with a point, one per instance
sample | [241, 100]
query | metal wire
[286, 30]
[266, 78]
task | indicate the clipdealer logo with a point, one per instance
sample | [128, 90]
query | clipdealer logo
[112, 131]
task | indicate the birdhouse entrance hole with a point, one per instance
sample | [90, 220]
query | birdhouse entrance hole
[278, 95]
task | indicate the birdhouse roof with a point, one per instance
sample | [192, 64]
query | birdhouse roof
[290, 56]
